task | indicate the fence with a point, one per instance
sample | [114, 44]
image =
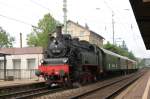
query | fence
[18, 73]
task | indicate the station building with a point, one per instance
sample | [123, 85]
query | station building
[21, 62]
[84, 33]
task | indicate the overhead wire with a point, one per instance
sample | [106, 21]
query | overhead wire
[9, 6]
[17, 20]
[137, 45]
[13, 7]
[115, 11]
[20, 21]
[10, 18]
[42, 6]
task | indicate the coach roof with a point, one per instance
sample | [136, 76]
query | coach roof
[117, 55]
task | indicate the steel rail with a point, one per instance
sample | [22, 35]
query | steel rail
[21, 92]
[119, 90]
[28, 96]
[102, 87]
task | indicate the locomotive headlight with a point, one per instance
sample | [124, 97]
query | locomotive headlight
[41, 61]
[65, 60]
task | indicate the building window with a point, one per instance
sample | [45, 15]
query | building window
[31, 63]
[17, 63]
[81, 33]
[1, 64]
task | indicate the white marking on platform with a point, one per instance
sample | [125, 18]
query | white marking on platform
[145, 95]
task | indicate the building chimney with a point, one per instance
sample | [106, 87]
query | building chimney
[20, 40]
[86, 26]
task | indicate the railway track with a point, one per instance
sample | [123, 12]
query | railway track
[103, 90]
[109, 90]
[12, 88]
[39, 93]
[29, 93]
[100, 90]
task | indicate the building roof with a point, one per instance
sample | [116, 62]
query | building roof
[2, 54]
[141, 9]
[85, 28]
[19, 51]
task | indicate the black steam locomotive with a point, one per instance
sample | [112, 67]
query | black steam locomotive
[69, 60]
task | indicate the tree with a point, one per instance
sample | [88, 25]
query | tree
[124, 46]
[6, 40]
[131, 56]
[119, 50]
[111, 47]
[141, 63]
[39, 36]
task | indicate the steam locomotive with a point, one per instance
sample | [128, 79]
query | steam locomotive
[67, 61]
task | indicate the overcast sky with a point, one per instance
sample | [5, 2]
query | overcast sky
[96, 13]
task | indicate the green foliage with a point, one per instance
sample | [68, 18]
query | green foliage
[119, 50]
[39, 36]
[6, 40]
[141, 63]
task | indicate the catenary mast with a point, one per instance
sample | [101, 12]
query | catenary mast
[65, 15]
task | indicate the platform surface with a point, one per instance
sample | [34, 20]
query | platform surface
[140, 89]
[19, 82]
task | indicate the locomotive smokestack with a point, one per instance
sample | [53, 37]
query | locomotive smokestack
[59, 31]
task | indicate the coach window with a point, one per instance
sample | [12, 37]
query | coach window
[31, 63]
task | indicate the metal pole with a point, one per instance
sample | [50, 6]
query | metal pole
[113, 27]
[20, 40]
[4, 67]
[65, 15]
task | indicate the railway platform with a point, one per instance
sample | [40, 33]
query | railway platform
[138, 90]
[4, 84]
[13, 88]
